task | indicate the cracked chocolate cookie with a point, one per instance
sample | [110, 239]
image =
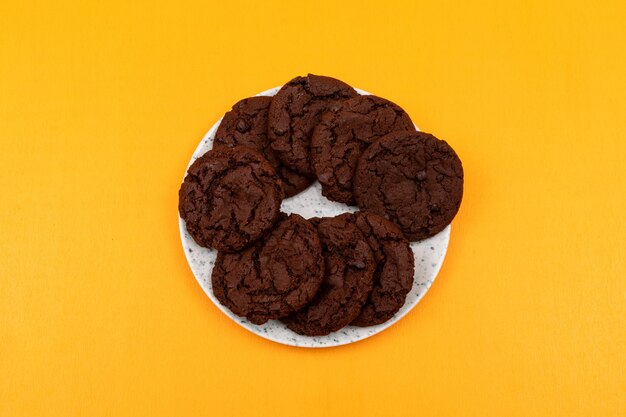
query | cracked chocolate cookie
[294, 112]
[348, 279]
[230, 198]
[393, 277]
[413, 179]
[344, 133]
[246, 125]
[279, 274]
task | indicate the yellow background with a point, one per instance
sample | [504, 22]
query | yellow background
[102, 104]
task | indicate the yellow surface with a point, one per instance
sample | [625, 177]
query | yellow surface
[102, 104]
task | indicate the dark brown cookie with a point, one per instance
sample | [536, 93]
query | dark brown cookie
[276, 276]
[413, 179]
[230, 198]
[294, 112]
[344, 133]
[393, 278]
[246, 125]
[348, 280]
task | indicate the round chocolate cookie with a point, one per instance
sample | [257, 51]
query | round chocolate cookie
[344, 133]
[279, 274]
[246, 125]
[413, 179]
[294, 112]
[348, 280]
[393, 278]
[230, 198]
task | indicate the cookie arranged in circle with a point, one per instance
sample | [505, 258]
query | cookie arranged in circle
[344, 133]
[348, 280]
[230, 198]
[295, 110]
[413, 179]
[246, 125]
[395, 268]
[279, 274]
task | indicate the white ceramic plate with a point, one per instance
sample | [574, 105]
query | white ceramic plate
[429, 255]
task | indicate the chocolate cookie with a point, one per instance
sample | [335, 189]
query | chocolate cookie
[276, 276]
[348, 280]
[294, 112]
[246, 125]
[344, 133]
[393, 278]
[230, 198]
[413, 179]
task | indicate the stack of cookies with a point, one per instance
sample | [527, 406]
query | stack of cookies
[321, 274]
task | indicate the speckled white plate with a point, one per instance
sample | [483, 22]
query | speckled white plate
[428, 254]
